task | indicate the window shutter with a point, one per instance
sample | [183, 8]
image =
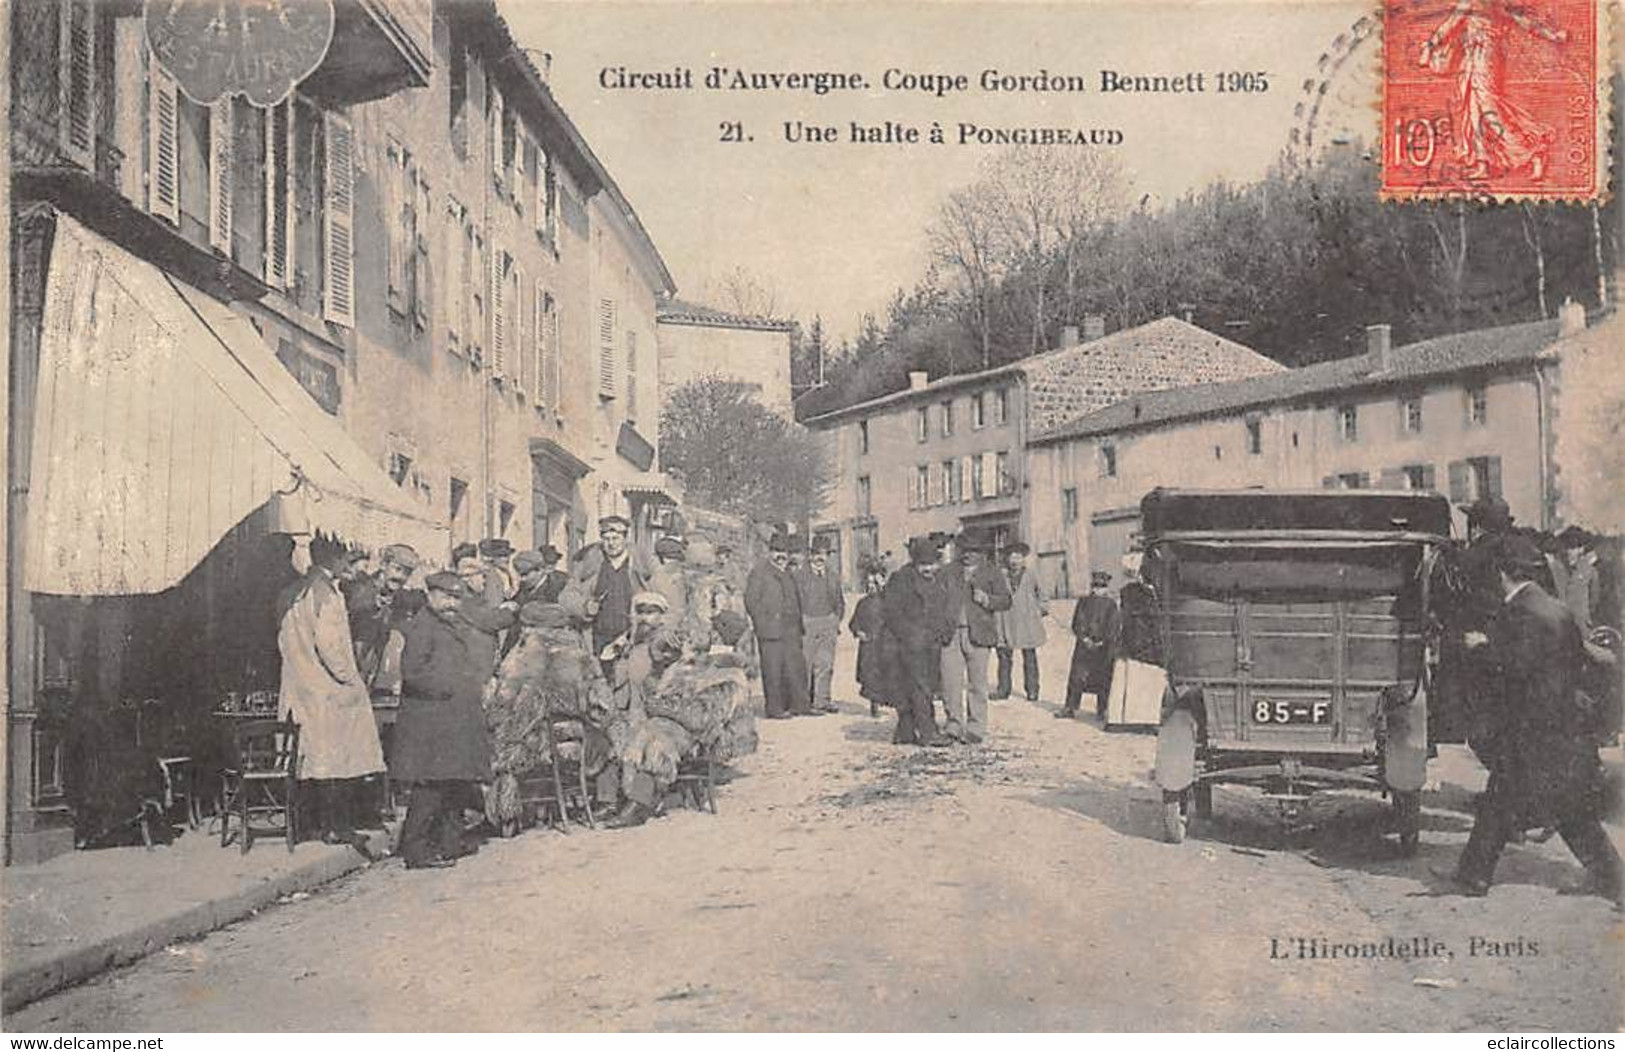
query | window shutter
[421, 283]
[538, 338]
[990, 475]
[221, 139]
[967, 474]
[499, 316]
[1494, 472]
[456, 249]
[495, 132]
[606, 348]
[476, 288]
[279, 194]
[394, 207]
[78, 80]
[543, 176]
[338, 292]
[631, 373]
[163, 139]
[555, 368]
[1460, 475]
[934, 485]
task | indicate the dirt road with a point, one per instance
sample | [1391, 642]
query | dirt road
[850, 884]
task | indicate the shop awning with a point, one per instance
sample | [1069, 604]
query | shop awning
[656, 489]
[162, 420]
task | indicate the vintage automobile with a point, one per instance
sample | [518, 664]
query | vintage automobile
[1293, 629]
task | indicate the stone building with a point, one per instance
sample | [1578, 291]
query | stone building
[1469, 415]
[698, 341]
[407, 302]
[944, 455]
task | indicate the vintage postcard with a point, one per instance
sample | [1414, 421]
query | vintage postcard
[557, 516]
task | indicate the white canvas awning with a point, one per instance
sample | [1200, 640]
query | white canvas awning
[162, 420]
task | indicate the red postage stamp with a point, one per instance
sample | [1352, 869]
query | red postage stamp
[1500, 99]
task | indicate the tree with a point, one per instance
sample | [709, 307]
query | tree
[736, 456]
[741, 292]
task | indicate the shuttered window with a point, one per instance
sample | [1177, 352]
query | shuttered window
[477, 289]
[606, 349]
[455, 249]
[499, 315]
[543, 209]
[631, 375]
[541, 338]
[493, 131]
[221, 167]
[398, 238]
[989, 486]
[513, 308]
[969, 481]
[78, 80]
[279, 195]
[163, 144]
[338, 247]
[421, 267]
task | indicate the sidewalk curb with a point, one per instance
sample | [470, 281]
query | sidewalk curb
[31, 982]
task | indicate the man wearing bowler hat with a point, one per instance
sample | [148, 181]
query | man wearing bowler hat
[911, 609]
[975, 592]
[774, 606]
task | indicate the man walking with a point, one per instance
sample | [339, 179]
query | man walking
[441, 744]
[822, 607]
[911, 606]
[774, 606]
[975, 592]
[1547, 768]
[1022, 626]
[1097, 625]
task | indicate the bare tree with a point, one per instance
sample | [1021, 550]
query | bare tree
[963, 239]
[741, 292]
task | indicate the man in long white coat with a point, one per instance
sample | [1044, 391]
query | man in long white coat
[325, 692]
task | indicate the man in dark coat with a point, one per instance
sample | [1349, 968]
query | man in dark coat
[976, 591]
[1142, 632]
[603, 582]
[441, 744]
[539, 581]
[774, 606]
[1547, 767]
[1097, 625]
[912, 606]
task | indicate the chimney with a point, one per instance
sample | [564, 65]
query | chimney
[1571, 318]
[1379, 349]
[1094, 327]
[1069, 337]
[918, 380]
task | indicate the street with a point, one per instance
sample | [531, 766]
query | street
[848, 884]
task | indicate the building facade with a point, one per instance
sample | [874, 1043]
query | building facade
[697, 341]
[1468, 415]
[945, 455]
[405, 303]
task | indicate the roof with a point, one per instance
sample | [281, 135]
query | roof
[1441, 356]
[503, 43]
[1094, 373]
[674, 311]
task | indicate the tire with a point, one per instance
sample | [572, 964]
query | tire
[1202, 799]
[1173, 817]
[1408, 821]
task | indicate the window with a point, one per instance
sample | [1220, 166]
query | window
[545, 187]
[978, 411]
[950, 482]
[493, 133]
[457, 123]
[1410, 416]
[1348, 423]
[606, 348]
[922, 484]
[1474, 479]
[967, 470]
[1218, 452]
[78, 64]
[1418, 476]
[863, 437]
[922, 424]
[1006, 481]
[1478, 407]
[279, 203]
[338, 248]
[1108, 461]
[1255, 437]
[1069, 505]
[938, 482]
[977, 477]
[631, 375]
[505, 510]
[865, 497]
[400, 466]
[947, 419]
[544, 338]
[1352, 480]
[1001, 406]
[457, 508]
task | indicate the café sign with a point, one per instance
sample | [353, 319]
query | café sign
[257, 48]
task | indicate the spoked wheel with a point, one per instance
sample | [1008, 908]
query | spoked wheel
[1173, 816]
[1408, 821]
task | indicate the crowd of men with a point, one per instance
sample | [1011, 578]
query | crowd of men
[353, 639]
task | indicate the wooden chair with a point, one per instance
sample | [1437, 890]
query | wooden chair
[560, 785]
[697, 779]
[262, 781]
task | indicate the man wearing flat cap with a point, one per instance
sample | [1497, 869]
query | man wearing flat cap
[604, 581]
[1097, 627]
[539, 582]
[822, 606]
[1546, 767]
[441, 744]
[774, 606]
[912, 606]
[976, 592]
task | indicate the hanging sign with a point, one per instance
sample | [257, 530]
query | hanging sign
[257, 48]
